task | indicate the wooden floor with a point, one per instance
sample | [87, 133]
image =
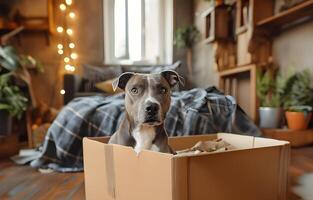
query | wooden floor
[23, 182]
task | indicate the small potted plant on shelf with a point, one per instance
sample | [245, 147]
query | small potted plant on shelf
[269, 91]
[298, 100]
[186, 37]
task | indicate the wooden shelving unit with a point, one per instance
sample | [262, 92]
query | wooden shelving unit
[277, 22]
[235, 70]
[30, 24]
[296, 138]
[216, 23]
[256, 23]
[229, 82]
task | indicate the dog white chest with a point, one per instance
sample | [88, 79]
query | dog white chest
[144, 136]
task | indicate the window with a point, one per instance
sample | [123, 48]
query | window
[138, 31]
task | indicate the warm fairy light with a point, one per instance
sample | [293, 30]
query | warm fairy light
[69, 68]
[71, 45]
[62, 91]
[66, 44]
[68, 2]
[72, 15]
[74, 56]
[60, 46]
[59, 29]
[66, 59]
[62, 6]
[69, 31]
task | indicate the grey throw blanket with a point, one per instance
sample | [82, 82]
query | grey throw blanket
[196, 111]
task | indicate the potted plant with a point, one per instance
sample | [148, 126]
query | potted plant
[13, 103]
[298, 100]
[269, 92]
[14, 73]
[186, 37]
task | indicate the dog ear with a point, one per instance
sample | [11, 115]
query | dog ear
[173, 77]
[122, 80]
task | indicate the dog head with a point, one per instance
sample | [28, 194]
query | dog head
[147, 96]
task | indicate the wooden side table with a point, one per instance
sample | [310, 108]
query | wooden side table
[296, 138]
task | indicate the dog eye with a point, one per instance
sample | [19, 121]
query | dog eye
[134, 90]
[163, 90]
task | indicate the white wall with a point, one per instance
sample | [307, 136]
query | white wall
[205, 73]
[294, 48]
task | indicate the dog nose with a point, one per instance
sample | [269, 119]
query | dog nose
[152, 108]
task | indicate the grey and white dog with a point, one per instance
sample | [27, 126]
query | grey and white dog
[147, 100]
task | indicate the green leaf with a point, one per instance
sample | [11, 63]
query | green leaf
[9, 58]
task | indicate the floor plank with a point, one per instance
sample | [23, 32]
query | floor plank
[23, 182]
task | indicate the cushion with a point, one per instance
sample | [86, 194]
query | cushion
[106, 86]
[94, 74]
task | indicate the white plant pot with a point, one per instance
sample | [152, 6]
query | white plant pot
[270, 117]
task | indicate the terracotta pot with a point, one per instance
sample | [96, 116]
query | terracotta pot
[298, 120]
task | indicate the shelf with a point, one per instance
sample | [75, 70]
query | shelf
[296, 138]
[283, 18]
[236, 70]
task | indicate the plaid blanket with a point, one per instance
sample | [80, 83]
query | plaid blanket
[196, 111]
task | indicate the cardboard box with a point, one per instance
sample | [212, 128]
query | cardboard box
[257, 169]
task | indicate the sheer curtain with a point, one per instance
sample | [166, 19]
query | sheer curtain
[138, 31]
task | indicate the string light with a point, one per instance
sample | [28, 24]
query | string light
[68, 2]
[66, 59]
[71, 45]
[66, 46]
[72, 15]
[69, 31]
[62, 7]
[59, 29]
[74, 56]
[69, 68]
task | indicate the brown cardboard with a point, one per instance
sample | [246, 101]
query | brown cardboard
[257, 169]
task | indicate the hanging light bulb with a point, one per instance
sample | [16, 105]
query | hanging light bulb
[69, 31]
[60, 51]
[62, 7]
[74, 56]
[66, 59]
[72, 15]
[59, 29]
[62, 92]
[68, 2]
[60, 46]
[72, 69]
[71, 45]
[68, 67]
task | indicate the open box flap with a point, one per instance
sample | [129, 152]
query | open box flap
[248, 142]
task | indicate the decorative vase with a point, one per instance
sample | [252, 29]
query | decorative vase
[298, 120]
[270, 117]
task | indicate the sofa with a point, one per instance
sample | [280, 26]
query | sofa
[85, 84]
